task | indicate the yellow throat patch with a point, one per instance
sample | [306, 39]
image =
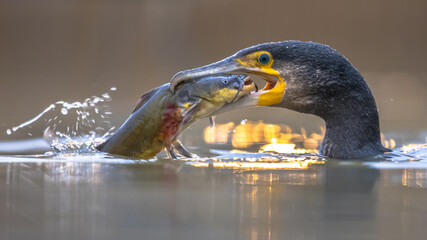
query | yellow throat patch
[261, 62]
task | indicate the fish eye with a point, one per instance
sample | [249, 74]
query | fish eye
[264, 59]
[225, 81]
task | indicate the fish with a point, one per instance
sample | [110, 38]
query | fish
[160, 115]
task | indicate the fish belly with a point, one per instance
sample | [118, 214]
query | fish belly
[148, 130]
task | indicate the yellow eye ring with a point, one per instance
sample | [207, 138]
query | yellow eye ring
[264, 58]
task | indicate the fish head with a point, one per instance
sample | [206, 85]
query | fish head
[203, 97]
[222, 89]
[213, 92]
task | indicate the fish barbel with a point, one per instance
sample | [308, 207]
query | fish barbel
[160, 116]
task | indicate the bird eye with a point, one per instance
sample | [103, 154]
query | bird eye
[264, 59]
[225, 81]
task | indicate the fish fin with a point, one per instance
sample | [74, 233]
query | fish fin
[186, 118]
[188, 115]
[170, 152]
[144, 98]
[212, 121]
[182, 150]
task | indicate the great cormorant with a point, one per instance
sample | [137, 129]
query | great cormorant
[312, 78]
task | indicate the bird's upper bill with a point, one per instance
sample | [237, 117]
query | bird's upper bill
[256, 63]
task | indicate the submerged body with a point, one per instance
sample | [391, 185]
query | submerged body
[161, 116]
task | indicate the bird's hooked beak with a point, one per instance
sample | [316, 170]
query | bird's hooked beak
[224, 66]
[271, 94]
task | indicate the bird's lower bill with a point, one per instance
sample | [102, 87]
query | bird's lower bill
[249, 86]
[272, 92]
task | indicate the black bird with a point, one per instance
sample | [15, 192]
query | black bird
[312, 78]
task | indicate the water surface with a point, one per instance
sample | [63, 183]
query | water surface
[96, 196]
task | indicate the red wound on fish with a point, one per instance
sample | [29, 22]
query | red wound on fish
[171, 119]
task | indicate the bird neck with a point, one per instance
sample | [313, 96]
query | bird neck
[352, 128]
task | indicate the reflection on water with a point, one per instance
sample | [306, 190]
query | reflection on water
[117, 198]
[279, 138]
[414, 178]
[258, 161]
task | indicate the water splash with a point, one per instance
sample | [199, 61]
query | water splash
[73, 127]
[27, 123]
[418, 151]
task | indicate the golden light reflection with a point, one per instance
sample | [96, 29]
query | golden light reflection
[413, 147]
[218, 134]
[295, 165]
[241, 137]
[268, 137]
[269, 178]
[284, 148]
[388, 143]
[249, 134]
[415, 178]
[257, 163]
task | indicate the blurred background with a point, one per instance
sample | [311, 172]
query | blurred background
[72, 50]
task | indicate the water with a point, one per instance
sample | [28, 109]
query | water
[95, 196]
[72, 192]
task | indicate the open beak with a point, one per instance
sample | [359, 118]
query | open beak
[274, 85]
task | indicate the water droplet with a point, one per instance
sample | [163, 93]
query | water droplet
[106, 96]
[8, 131]
[64, 111]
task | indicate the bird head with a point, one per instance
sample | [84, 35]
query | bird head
[302, 76]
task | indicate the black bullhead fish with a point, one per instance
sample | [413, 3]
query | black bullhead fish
[160, 116]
